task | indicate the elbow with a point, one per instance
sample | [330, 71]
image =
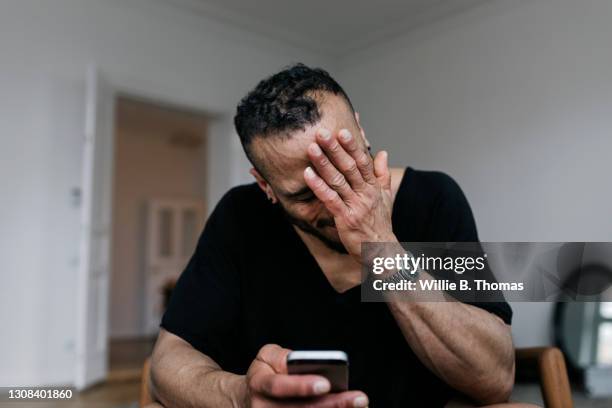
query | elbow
[503, 391]
[156, 370]
[153, 378]
[497, 387]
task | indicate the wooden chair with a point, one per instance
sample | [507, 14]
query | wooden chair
[545, 363]
[145, 384]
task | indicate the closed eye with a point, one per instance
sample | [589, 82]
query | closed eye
[306, 199]
[302, 195]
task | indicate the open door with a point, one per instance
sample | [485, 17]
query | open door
[94, 250]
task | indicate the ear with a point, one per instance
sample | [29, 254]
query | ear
[365, 139]
[264, 185]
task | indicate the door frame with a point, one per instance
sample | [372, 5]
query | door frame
[93, 273]
[154, 95]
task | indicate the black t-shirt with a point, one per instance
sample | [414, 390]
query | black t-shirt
[252, 281]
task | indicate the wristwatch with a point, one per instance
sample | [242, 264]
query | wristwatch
[401, 274]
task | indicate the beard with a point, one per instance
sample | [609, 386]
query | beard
[315, 232]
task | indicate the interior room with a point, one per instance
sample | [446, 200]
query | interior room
[119, 141]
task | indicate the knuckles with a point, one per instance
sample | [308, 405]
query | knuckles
[363, 161]
[350, 167]
[337, 181]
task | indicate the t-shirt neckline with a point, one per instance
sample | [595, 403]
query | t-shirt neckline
[313, 261]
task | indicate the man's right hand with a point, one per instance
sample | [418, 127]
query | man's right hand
[269, 385]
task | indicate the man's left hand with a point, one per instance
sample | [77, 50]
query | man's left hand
[355, 189]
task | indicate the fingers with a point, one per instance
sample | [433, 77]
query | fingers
[362, 159]
[273, 387]
[342, 162]
[348, 399]
[343, 169]
[381, 169]
[289, 386]
[329, 173]
[269, 376]
[329, 197]
[275, 356]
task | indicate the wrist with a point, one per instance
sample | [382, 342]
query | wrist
[387, 237]
[239, 391]
[229, 389]
[397, 261]
[387, 243]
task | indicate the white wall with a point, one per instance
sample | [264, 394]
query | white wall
[141, 47]
[514, 100]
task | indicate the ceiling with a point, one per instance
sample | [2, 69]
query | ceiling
[332, 27]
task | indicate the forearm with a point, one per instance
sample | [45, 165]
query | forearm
[183, 377]
[469, 348]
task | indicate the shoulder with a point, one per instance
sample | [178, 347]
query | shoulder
[231, 224]
[432, 185]
[436, 203]
[241, 200]
[236, 211]
[245, 191]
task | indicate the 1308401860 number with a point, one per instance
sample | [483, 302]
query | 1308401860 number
[36, 393]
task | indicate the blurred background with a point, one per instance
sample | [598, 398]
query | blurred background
[117, 141]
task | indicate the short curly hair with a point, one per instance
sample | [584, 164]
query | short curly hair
[283, 102]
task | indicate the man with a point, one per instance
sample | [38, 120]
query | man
[278, 267]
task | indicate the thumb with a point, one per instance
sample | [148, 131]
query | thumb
[274, 356]
[381, 169]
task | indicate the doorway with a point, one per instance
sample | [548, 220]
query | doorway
[159, 195]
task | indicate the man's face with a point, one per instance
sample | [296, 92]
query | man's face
[284, 159]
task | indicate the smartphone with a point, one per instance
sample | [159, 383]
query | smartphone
[331, 364]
